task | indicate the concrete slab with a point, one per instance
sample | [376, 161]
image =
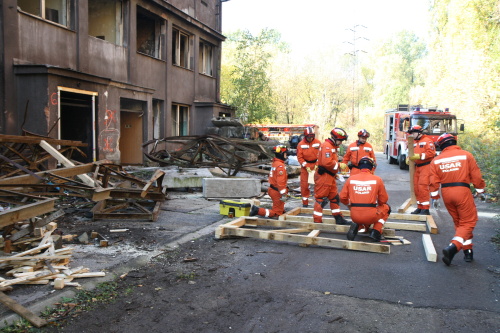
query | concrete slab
[185, 177]
[231, 187]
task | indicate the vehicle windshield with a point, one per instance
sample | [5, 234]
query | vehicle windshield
[436, 124]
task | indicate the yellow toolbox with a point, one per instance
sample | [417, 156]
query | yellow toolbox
[234, 208]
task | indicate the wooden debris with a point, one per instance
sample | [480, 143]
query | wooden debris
[22, 311]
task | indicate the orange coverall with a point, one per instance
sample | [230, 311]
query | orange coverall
[357, 151]
[307, 155]
[425, 147]
[366, 196]
[325, 185]
[454, 169]
[278, 179]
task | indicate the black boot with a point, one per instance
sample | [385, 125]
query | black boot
[375, 235]
[353, 231]
[468, 255]
[340, 220]
[254, 210]
[448, 253]
[416, 211]
[425, 212]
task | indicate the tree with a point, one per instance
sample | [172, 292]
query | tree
[246, 82]
[396, 72]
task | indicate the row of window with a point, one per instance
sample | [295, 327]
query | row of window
[107, 19]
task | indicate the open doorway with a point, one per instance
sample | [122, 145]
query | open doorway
[76, 122]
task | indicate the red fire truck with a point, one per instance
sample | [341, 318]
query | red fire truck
[397, 121]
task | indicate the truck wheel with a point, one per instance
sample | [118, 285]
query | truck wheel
[402, 162]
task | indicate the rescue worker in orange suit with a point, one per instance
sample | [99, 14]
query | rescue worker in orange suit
[278, 190]
[307, 155]
[356, 151]
[454, 170]
[423, 153]
[366, 197]
[325, 188]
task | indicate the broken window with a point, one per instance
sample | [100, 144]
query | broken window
[52, 10]
[150, 29]
[180, 119]
[206, 58]
[106, 20]
[180, 49]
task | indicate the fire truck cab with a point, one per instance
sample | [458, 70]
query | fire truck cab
[397, 121]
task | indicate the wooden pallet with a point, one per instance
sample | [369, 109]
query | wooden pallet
[412, 221]
[247, 227]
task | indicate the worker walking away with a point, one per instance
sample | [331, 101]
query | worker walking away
[356, 151]
[307, 155]
[454, 170]
[278, 190]
[423, 153]
[325, 188]
[366, 197]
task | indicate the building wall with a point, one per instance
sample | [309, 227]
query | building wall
[43, 61]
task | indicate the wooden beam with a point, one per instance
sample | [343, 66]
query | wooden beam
[430, 251]
[300, 239]
[28, 211]
[404, 206]
[36, 140]
[64, 172]
[22, 311]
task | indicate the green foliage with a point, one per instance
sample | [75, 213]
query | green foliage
[246, 79]
[486, 152]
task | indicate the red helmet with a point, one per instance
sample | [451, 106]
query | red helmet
[309, 131]
[279, 149]
[364, 133]
[446, 138]
[415, 128]
[338, 134]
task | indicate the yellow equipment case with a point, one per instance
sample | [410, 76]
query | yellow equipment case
[234, 208]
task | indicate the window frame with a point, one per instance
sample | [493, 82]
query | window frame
[66, 19]
[159, 33]
[180, 125]
[206, 58]
[181, 48]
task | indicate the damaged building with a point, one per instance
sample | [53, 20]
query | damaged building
[110, 73]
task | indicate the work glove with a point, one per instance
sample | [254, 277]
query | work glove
[435, 203]
[415, 157]
[481, 195]
[284, 198]
[315, 167]
[343, 167]
[407, 161]
[308, 169]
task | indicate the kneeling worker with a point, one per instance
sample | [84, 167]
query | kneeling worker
[366, 197]
[278, 191]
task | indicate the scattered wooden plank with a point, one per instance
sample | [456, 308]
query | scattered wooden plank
[430, 251]
[22, 311]
[64, 161]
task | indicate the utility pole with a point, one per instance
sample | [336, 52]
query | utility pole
[354, 54]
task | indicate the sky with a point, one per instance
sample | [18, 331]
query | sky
[305, 25]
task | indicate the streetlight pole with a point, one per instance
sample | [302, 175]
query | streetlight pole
[354, 54]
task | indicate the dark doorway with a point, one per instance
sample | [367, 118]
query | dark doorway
[76, 122]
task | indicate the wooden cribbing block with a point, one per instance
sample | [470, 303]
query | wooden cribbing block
[430, 251]
[22, 311]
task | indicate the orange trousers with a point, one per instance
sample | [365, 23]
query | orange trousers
[325, 187]
[367, 216]
[305, 192]
[459, 202]
[278, 205]
[421, 181]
